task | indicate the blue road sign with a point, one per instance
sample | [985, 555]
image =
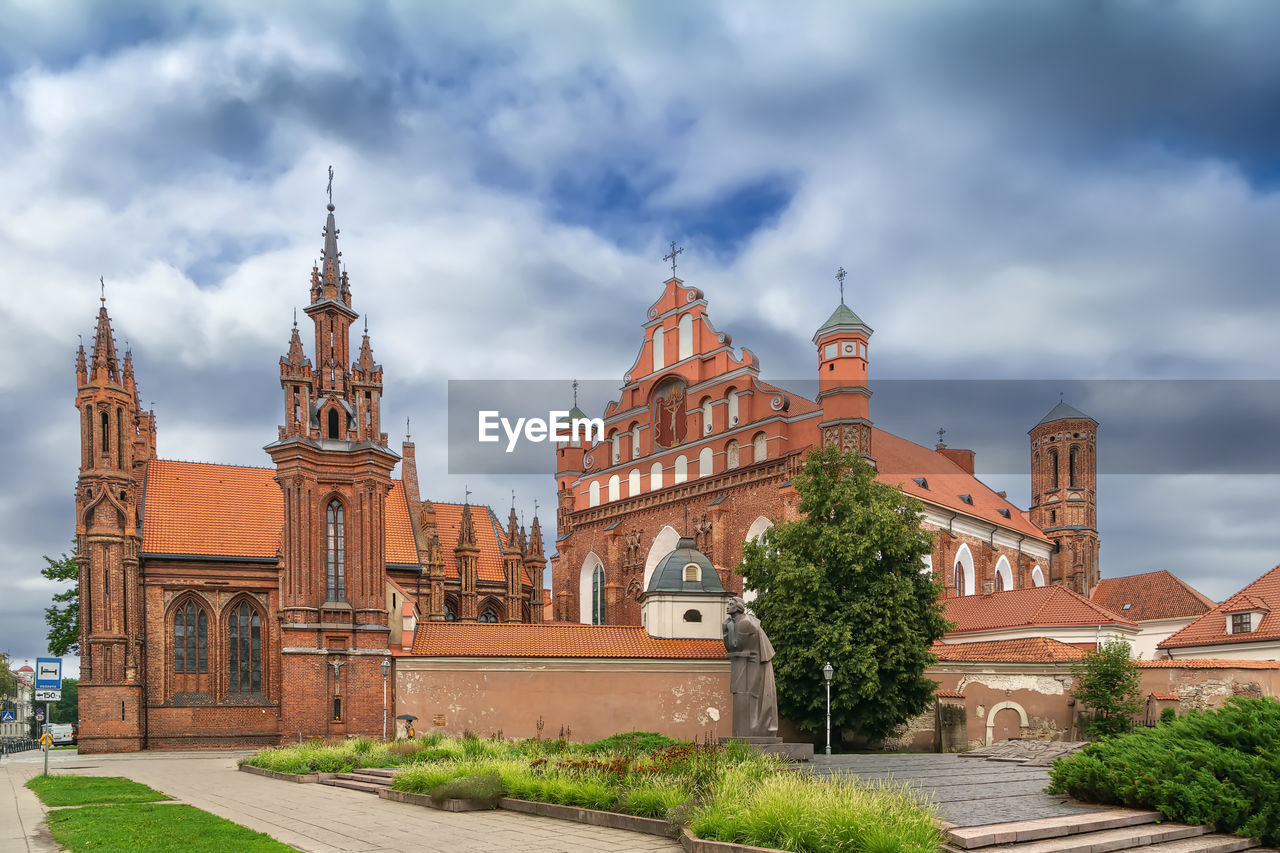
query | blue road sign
[7, 716]
[48, 673]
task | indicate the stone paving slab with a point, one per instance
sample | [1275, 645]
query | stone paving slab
[967, 792]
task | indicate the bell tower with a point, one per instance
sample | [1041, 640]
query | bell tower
[1064, 494]
[843, 392]
[116, 441]
[334, 470]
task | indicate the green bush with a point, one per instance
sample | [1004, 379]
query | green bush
[486, 788]
[630, 743]
[1220, 768]
[1168, 714]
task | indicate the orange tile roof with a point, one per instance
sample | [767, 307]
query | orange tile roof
[1029, 606]
[1211, 628]
[207, 510]
[1025, 650]
[489, 560]
[900, 461]
[948, 694]
[557, 640]
[1166, 697]
[1208, 663]
[1152, 595]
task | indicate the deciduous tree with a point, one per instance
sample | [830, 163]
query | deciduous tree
[1107, 680]
[63, 616]
[844, 584]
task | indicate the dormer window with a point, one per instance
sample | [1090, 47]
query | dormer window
[921, 482]
[1242, 623]
[692, 574]
[967, 499]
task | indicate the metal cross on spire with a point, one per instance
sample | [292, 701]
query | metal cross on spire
[672, 257]
[407, 434]
[941, 433]
[840, 274]
[513, 498]
[330, 188]
[102, 290]
[535, 507]
[575, 393]
[467, 498]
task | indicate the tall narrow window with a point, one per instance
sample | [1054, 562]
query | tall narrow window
[759, 447]
[1071, 467]
[635, 442]
[333, 423]
[88, 419]
[106, 436]
[597, 596]
[1053, 468]
[659, 354]
[335, 558]
[244, 650]
[190, 639]
[684, 337]
[119, 437]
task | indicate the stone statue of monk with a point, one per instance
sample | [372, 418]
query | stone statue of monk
[755, 701]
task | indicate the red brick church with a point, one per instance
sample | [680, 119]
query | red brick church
[234, 605]
[697, 438]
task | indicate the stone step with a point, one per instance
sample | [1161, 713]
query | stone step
[384, 772]
[974, 837]
[1107, 840]
[1208, 843]
[353, 784]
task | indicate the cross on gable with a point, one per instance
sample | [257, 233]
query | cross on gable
[672, 257]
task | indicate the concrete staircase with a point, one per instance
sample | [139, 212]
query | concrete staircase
[1094, 832]
[371, 780]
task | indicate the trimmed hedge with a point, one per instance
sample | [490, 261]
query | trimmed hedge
[1218, 768]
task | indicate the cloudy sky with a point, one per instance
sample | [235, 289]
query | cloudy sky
[1060, 192]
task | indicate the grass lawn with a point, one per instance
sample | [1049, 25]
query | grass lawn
[155, 827]
[83, 790]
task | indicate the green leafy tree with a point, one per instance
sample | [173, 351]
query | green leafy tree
[8, 682]
[63, 616]
[844, 584]
[67, 709]
[1107, 680]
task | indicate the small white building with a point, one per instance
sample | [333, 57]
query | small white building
[685, 598]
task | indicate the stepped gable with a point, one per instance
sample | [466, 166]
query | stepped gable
[1029, 606]
[1025, 650]
[899, 462]
[1211, 628]
[555, 640]
[1152, 595]
[207, 510]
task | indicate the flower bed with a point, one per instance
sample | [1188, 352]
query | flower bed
[731, 794]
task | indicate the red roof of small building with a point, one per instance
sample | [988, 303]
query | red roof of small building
[948, 694]
[1024, 650]
[207, 510]
[1211, 628]
[899, 462]
[1166, 697]
[1151, 595]
[557, 640]
[1029, 606]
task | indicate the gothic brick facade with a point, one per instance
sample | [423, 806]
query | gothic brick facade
[237, 606]
[697, 441]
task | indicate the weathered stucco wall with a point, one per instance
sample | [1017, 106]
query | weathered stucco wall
[591, 698]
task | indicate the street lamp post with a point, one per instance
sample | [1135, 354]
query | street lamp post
[827, 672]
[386, 670]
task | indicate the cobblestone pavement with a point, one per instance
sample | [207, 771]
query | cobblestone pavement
[968, 792]
[310, 817]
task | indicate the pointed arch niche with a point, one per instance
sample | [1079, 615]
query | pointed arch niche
[663, 544]
[590, 578]
[754, 534]
[962, 576]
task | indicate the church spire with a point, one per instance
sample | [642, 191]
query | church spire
[105, 364]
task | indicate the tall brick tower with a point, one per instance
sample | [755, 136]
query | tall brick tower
[116, 441]
[334, 469]
[1064, 494]
[842, 380]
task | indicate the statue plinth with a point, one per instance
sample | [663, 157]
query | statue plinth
[774, 746]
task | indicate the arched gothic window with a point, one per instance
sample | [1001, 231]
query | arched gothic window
[597, 596]
[333, 423]
[190, 639]
[449, 614]
[489, 615]
[335, 553]
[655, 476]
[244, 648]
[1072, 482]
[1053, 468]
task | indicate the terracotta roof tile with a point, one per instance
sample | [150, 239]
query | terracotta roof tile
[1208, 663]
[207, 510]
[1152, 595]
[1029, 606]
[1166, 697]
[489, 560]
[557, 640]
[900, 461]
[948, 694]
[1026, 650]
[1211, 628]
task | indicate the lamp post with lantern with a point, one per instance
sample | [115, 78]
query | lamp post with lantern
[827, 671]
[387, 670]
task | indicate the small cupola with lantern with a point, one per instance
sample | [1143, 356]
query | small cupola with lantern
[684, 598]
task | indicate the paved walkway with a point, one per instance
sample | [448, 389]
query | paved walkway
[315, 818]
[968, 791]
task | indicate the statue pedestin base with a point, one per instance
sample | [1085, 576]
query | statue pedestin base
[774, 746]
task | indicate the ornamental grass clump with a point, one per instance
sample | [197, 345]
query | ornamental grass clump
[798, 812]
[482, 788]
[1219, 768]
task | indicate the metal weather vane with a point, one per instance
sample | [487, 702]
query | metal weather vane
[840, 274]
